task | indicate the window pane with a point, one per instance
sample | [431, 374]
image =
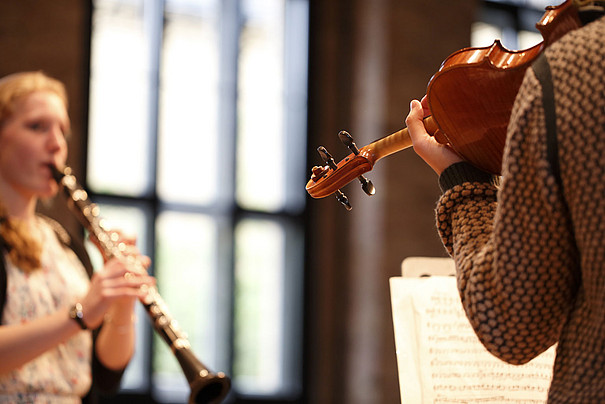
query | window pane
[261, 135]
[187, 149]
[259, 307]
[187, 280]
[119, 139]
[295, 102]
[539, 4]
[527, 39]
[483, 34]
[514, 27]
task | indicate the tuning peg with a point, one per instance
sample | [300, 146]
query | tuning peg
[367, 185]
[320, 171]
[342, 198]
[327, 157]
[347, 140]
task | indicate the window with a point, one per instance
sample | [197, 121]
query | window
[511, 21]
[196, 145]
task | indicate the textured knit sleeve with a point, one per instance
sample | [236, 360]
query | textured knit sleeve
[511, 244]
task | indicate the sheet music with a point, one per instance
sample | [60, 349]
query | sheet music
[441, 360]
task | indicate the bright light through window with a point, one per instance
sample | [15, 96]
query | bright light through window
[260, 158]
[258, 319]
[189, 99]
[119, 142]
[197, 122]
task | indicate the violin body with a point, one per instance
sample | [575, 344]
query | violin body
[472, 94]
[470, 100]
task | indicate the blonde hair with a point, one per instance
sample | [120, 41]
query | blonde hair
[23, 250]
[18, 85]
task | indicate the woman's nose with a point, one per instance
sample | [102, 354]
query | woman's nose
[56, 139]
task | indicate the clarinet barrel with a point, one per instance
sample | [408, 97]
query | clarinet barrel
[206, 387]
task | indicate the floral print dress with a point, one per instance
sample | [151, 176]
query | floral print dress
[62, 374]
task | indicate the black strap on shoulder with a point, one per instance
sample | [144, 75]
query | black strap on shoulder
[72, 242]
[542, 70]
[543, 74]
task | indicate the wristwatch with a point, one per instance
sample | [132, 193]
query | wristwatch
[76, 314]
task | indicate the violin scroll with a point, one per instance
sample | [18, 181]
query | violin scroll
[328, 179]
[342, 173]
[347, 140]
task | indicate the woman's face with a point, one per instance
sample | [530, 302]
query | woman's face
[32, 139]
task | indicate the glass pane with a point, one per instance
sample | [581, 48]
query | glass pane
[119, 142]
[527, 39]
[483, 34]
[260, 134]
[187, 148]
[495, 24]
[295, 102]
[131, 221]
[186, 275]
[537, 4]
[258, 366]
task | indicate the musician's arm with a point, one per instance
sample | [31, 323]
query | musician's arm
[21, 343]
[115, 342]
[513, 280]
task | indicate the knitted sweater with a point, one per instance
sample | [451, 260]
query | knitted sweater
[530, 255]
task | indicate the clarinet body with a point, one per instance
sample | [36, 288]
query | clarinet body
[206, 387]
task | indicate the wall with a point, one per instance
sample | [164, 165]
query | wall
[369, 59]
[52, 36]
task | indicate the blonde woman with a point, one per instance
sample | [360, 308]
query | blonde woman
[51, 304]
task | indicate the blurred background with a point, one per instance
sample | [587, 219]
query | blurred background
[196, 124]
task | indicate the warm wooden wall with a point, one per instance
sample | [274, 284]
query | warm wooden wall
[52, 36]
[369, 59]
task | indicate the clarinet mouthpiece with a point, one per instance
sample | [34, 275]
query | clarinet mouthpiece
[56, 173]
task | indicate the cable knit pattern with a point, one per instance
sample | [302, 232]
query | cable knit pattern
[530, 256]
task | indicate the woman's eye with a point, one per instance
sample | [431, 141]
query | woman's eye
[43, 127]
[37, 126]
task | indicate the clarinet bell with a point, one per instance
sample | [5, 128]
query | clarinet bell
[206, 387]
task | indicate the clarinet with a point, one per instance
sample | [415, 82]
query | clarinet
[206, 387]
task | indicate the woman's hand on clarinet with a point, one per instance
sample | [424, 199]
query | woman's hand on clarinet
[121, 282]
[438, 156]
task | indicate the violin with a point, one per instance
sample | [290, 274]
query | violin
[470, 100]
